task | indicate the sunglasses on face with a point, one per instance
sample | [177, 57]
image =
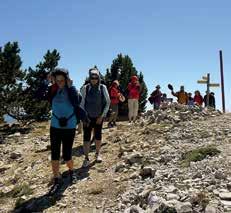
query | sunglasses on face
[94, 78]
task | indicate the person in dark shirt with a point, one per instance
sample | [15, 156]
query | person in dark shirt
[156, 95]
[212, 101]
[96, 102]
[190, 100]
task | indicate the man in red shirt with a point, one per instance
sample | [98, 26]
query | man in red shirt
[133, 98]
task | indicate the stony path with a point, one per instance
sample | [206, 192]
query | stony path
[27, 163]
[112, 185]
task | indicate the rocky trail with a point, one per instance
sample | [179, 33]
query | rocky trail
[176, 160]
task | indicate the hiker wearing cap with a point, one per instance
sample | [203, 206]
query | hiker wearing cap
[198, 99]
[96, 102]
[156, 98]
[64, 100]
[133, 90]
[182, 96]
[116, 97]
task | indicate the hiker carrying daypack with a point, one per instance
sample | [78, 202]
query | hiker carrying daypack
[65, 101]
[96, 102]
[155, 98]
[116, 97]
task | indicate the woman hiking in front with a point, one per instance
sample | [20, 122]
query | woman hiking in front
[63, 98]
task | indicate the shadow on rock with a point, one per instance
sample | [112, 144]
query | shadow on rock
[39, 204]
[78, 151]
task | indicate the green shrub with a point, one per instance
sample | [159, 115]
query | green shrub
[199, 154]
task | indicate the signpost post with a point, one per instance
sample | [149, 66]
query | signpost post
[222, 81]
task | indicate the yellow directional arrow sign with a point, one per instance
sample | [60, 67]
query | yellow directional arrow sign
[202, 82]
[214, 85]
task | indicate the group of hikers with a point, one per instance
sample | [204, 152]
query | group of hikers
[159, 99]
[90, 106]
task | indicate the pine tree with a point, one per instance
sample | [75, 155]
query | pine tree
[11, 80]
[144, 93]
[22, 92]
[122, 69]
[36, 106]
[107, 78]
[117, 65]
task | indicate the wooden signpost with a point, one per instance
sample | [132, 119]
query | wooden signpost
[206, 80]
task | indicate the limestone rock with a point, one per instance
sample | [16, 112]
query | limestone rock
[184, 207]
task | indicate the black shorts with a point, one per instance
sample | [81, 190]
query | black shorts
[66, 138]
[97, 130]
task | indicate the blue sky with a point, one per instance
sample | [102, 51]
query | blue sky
[169, 41]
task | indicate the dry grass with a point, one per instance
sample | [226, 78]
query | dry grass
[96, 190]
[201, 199]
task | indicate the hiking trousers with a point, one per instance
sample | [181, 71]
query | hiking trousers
[114, 114]
[133, 107]
[87, 131]
[66, 138]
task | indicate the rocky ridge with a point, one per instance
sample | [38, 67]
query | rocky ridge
[172, 160]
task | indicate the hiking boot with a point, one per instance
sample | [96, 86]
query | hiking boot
[56, 186]
[98, 158]
[86, 163]
[73, 177]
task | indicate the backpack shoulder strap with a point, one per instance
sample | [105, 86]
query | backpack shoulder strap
[103, 99]
[101, 91]
[101, 88]
[87, 89]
